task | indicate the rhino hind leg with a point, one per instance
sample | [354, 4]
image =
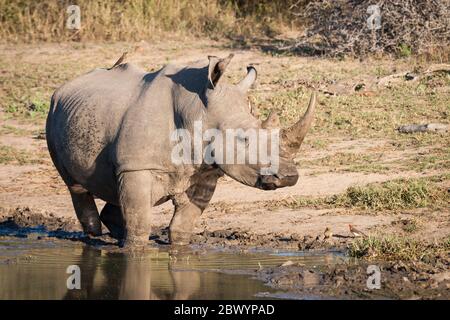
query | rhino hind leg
[112, 218]
[86, 210]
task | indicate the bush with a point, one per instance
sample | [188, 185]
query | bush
[340, 27]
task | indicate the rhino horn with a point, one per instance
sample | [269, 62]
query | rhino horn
[245, 84]
[272, 121]
[293, 136]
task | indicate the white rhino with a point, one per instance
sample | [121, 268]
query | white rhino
[109, 136]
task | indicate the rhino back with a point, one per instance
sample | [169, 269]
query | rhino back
[171, 99]
[84, 121]
[143, 137]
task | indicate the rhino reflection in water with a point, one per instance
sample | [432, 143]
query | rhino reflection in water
[122, 276]
[108, 133]
[154, 276]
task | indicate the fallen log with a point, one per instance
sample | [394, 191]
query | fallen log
[429, 127]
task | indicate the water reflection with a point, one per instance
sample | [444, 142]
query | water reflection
[143, 277]
[31, 269]
[41, 274]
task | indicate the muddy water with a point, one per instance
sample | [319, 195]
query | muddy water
[35, 267]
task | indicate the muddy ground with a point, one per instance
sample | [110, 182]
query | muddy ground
[353, 144]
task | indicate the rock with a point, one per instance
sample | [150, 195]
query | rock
[433, 285]
[320, 237]
[222, 234]
[442, 276]
[437, 127]
[411, 76]
[310, 278]
[339, 280]
[359, 86]
[287, 263]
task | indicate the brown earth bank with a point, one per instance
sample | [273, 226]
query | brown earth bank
[398, 280]
[355, 168]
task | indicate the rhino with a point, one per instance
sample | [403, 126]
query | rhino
[109, 136]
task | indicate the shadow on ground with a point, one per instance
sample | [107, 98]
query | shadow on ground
[9, 228]
[274, 46]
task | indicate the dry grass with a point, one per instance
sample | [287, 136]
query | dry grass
[357, 116]
[12, 130]
[364, 116]
[348, 162]
[11, 155]
[409, 225]
[30, 20]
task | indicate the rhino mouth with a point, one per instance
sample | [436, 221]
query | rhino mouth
[275, 181]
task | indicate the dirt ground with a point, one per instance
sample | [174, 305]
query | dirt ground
[353, 144]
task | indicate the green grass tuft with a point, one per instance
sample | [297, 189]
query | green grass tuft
[396, 248]
[397, 194]
[36, 109]
[391, 195]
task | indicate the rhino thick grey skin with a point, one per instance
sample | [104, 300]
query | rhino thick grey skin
[108, 133]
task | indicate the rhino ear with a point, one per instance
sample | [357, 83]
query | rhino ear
[249, 79]
[216, 69]
[272, 121]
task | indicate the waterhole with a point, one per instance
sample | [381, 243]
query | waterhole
[35, 267]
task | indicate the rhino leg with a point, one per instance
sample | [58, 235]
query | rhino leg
[112, 218]
[86, 210]
[136, 194]
[183, 223]
[190, 206]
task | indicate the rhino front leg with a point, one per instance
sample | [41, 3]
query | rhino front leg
[190, 205]
[136, 199]
[183, 223]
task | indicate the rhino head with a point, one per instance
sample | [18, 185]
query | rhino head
[227, 107]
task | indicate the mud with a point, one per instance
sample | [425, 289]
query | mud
[21, 221]
[23, 218]
[349, 281]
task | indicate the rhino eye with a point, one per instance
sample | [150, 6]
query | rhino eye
[243, 138]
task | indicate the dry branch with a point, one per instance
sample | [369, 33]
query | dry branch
[338, 27]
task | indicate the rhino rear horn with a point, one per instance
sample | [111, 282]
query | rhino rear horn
[293, 136]
[272, 121]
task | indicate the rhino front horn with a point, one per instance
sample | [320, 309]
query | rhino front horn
[293, 136]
